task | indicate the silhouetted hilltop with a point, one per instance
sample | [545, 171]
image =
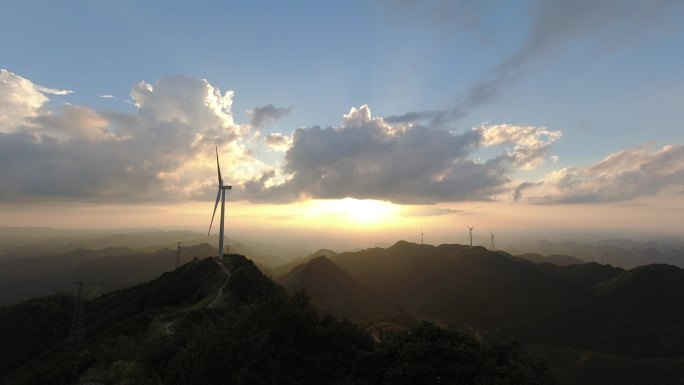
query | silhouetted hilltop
[590, 306]
[285, 268]
[39, 342]
[333, 290]
[223, 322]
[454, 283]
[583, 275]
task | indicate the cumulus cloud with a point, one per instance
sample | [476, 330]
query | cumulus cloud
[369, 158]
[75, 122]
[530, 144]
[20, 100]
[163, 151]
[266, 115]
[555, 24]
[624, 175]
[277, 141]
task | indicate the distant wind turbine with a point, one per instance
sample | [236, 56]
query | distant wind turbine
[492, 233]
[421, 235]
[470, 234]
[222, 196]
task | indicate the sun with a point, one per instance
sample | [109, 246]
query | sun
[352, 211]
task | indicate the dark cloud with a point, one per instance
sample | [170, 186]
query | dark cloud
[367, 158]
[517, 192]
[266, 115]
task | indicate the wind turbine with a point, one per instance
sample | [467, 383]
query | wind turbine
[421, 235]
[222, 196]
[470, 234]
[492, 233]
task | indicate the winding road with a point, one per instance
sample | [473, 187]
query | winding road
[168, 326]
[219, 294]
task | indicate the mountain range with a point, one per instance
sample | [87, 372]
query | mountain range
[224, 322]
[612, 315]
[591, 323]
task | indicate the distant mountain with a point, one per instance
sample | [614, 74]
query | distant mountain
[556, 259]
[334, 290]
[100, 270]
[623, 253]
[280, 270]
[635, 313]
[454, 283]
[23, 242]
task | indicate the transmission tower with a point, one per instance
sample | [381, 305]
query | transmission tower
[178, 262]
[77, 332]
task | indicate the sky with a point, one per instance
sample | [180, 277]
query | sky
[369, 120]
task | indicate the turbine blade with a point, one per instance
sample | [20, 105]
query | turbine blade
[218, 196]
[218, 167]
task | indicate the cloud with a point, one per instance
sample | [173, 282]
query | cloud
[517, 192]
[20, 100]
[277, 141]
[530, 143]
[429, 211]
[555, 24]
[75, 122]
[368, 158]
[53, 91]
[164, 151]
[625, 175]
[106, 96]
[266, 115]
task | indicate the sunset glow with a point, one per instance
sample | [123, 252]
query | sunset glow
[355, 212]
[378, 138]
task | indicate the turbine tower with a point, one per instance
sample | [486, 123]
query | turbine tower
[470, 234]
[222, 197]
[492, 233]
[421, 235]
